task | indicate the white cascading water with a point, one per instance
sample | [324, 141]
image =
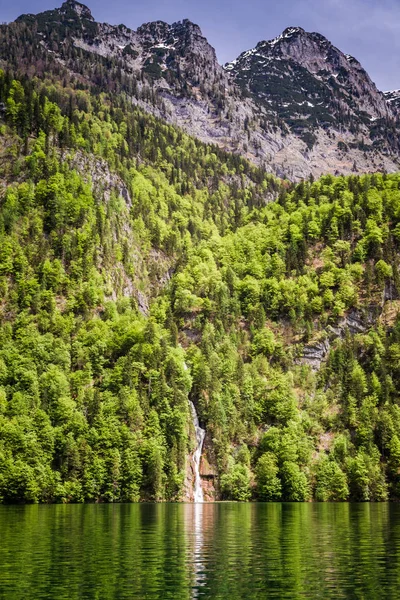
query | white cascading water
[200, 434]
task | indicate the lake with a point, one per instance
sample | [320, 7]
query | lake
[182, 551]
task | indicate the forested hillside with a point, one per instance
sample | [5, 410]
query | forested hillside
[141, 269]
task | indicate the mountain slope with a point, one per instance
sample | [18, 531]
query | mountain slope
[141, 270]
[341, 123]
[321, 94]
[309, 83]
[100, 203]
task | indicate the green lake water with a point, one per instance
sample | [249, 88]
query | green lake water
[224, 550]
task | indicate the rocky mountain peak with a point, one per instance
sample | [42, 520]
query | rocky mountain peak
[160, 32]
[79, 9]
[187, 26]
[71, 17]
[311, 50]
[291, 31]
[154, 31]
[308, 82]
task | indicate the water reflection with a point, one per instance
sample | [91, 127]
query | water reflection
[198, 565]
[212, 551]
[195, 532]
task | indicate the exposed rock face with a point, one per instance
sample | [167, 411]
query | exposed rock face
[188, 488]
[393, 100]
[315, 353]
[296, 103]
[302, 76]
[153, 268]
[208, 472]
[323, 96]
[354, 322]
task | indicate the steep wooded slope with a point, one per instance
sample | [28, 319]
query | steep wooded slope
[141, 269]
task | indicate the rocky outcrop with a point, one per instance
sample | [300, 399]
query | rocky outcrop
[208, 474]
[97, 172]
[393, 99]
[208, 471]
[315, 353]
[80, 10]
[188, 484]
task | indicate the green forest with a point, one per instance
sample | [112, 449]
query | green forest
[141, 269]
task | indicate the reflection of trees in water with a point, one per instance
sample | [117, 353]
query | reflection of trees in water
[210, 551]
[293, 551]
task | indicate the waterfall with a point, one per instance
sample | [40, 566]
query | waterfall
[200, 433]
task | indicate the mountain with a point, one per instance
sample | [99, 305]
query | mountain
[309, 84]
[295, 103]
[153, 285]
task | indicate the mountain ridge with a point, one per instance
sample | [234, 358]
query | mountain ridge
[257, 111]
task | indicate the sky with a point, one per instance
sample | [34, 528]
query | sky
[366, 29]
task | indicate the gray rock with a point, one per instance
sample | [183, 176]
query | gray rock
[354, 322]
